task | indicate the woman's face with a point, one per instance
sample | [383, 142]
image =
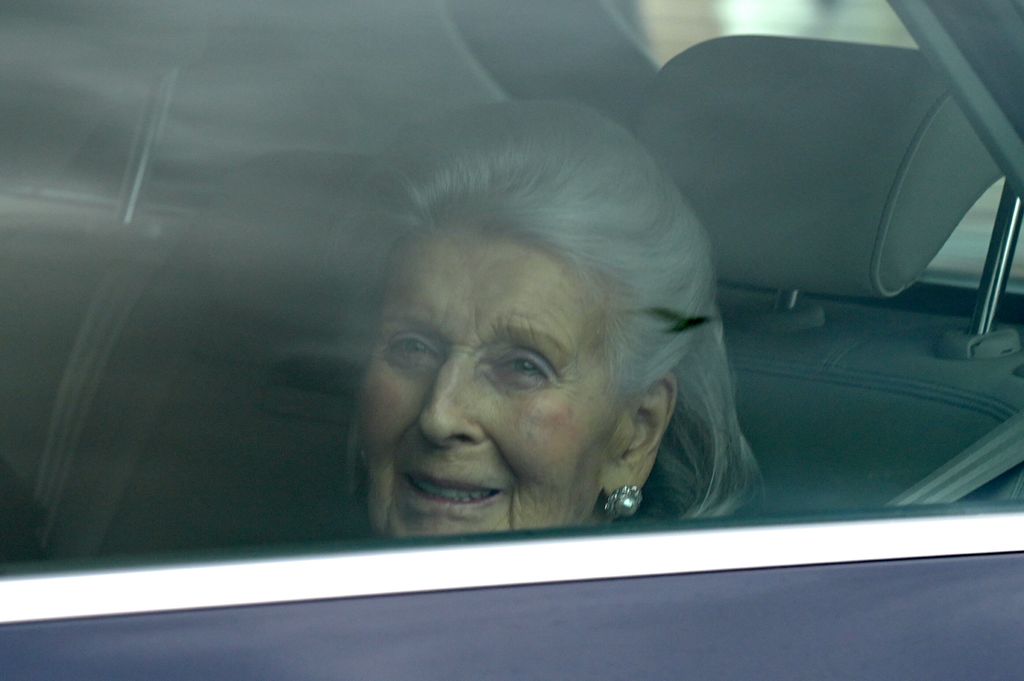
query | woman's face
[487, 404]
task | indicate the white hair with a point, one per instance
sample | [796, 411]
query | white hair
[561, 177]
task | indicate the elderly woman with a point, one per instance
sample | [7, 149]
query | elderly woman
[548, 351]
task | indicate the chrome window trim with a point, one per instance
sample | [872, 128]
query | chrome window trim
[514, 562]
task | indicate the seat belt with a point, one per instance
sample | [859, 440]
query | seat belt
[994, 454]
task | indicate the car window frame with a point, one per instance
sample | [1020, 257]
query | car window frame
[496, 561]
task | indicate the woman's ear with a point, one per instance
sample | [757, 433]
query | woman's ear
[647, 420]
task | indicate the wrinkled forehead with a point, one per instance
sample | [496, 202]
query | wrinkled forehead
[472, 283]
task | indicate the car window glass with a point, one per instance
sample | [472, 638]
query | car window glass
[963, 256]
[261, 296]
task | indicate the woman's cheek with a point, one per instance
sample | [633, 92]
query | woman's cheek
[388, 407]
[550, 431]
[555, 465]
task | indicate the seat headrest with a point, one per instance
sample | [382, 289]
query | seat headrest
[821, 166]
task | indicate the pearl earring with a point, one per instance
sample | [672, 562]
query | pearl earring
[623, 502]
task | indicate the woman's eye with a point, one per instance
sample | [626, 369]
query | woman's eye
[410, 351]
[411, 346]
[527, 367]
[523, 372]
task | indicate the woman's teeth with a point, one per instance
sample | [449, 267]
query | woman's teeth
[451, 494]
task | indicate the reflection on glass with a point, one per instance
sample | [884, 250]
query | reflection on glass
[185, 380]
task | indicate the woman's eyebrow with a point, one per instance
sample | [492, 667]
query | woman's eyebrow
[523, 332]
[406, 319]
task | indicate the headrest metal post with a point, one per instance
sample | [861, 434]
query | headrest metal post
[998, 263]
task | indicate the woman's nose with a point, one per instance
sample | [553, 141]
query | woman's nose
[449, 414]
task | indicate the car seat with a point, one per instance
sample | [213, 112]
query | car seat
[830, 174]
[219, 415]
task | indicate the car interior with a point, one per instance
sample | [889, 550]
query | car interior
[845, 404]
[184, 250]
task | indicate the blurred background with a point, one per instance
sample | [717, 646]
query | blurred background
[671, 26]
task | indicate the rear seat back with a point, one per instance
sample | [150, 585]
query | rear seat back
[839, 169]
[210, 406]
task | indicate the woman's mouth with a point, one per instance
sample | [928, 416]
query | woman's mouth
[451, 492]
